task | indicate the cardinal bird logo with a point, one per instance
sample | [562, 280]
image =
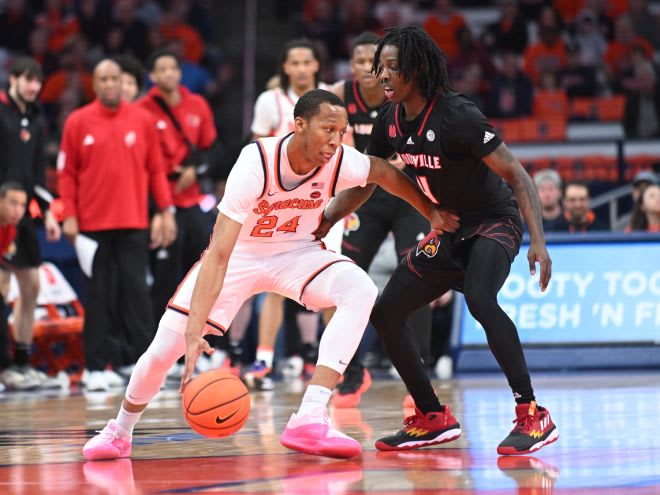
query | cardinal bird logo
[429, 245]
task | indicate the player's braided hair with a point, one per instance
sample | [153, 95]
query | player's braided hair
[419, 57]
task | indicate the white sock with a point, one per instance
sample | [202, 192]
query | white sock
[128, 420]
[265, 354]
[315, 396]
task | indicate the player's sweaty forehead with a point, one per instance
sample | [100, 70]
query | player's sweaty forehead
[332, 114]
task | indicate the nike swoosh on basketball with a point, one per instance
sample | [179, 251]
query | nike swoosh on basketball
[220, 420]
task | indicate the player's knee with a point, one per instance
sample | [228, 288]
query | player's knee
[480, 303]
[362, 291]
[382, 318]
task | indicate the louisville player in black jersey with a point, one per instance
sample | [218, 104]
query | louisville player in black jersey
[381, 214]
[459, 162]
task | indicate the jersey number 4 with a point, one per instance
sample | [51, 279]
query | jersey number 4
[266, 225]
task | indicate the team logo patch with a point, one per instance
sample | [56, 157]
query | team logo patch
[25, 135]
[194, 120]
[391, 131]
[430, 135]
[130, 138]
[351, 223]
[315, 194]
[429, 245]
[351, 108]
[373, 114]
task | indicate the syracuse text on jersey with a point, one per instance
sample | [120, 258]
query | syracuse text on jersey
[418, 161]
[264, 207]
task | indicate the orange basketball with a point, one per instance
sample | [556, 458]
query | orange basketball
[216, 404]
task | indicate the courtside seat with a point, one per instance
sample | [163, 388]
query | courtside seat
[58, 325]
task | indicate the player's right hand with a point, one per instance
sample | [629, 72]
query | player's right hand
[195, 345]
[443, 220]
[323, 228]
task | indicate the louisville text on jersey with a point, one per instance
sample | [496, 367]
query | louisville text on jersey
[418, 161]
[264, 207]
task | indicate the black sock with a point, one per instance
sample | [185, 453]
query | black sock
[22, 354]
[522, 389]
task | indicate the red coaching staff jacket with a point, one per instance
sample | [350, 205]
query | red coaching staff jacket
[194, 115]
[108, 161]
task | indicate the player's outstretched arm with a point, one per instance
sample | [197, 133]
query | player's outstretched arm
[504, 164]
[396, 182]
[207, 289]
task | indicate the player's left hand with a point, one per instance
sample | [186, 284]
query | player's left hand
[323, 228]
[443, 220]
[186, 179]
[538, 253]
[195, 345]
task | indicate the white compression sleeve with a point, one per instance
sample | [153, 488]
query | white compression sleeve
[350, 289]
[151, 369]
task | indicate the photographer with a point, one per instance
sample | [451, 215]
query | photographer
[187, 132]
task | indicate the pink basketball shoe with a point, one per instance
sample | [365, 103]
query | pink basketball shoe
[112, 442]
[313, 433]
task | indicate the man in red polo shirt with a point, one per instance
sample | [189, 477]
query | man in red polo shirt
[109, 160]
[13, 201]
[186, 130]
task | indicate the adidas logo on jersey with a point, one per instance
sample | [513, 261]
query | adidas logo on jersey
[488, 136]
[410, 141]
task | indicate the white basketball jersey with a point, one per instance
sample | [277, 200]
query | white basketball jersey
[280, 219]
[285, 106]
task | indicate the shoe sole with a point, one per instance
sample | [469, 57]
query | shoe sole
[104, 455]
[554, 435]
[317, 448]
[444, 437]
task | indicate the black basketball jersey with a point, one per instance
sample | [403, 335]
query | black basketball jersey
[360, 116]
[444, 146]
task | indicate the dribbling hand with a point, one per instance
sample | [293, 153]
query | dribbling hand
[538, 253]
[195, 345]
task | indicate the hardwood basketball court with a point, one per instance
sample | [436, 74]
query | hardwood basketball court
[608, 422]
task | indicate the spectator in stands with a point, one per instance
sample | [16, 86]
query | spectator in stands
[174, 25]
[548, 186]
[322, 23]
[550, 102]
[645, 23]
[468, 81]
[109, 159]
[578, 217]
[642, 112]
[95, 19]
[442, 24]
[395, 12]
[617, 57]
[509, 33]
[60, 23]
[470, 52]
[38, 50]
[22, 140]
[358, 16]
[589, 39]
[641, 181]
[646, 213]
[132, 31]
[16, 23]
[549, 52]
[13, 204]
[512, 90]
[577, 79]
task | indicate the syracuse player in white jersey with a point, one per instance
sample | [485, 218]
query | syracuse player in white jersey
[264, 240]
[273, 116]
